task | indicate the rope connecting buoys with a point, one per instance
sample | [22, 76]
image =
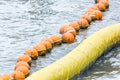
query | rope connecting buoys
[81, 57]
[69, 32]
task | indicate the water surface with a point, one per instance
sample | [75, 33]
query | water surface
[23, 23]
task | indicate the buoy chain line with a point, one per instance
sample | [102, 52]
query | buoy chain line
[68, 31]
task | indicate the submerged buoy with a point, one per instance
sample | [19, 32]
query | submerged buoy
[68, 37]
[32, 53]
[83, 23]
[17, 75]
[41, 49]
[22, 63]
[25, 58]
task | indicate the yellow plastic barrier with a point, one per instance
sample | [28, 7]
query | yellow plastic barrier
[81, 57]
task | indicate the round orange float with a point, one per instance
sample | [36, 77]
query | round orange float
[32, 53]
[71, 30]
[75, 25]
[83, 23]
[48, 45]
[98, 14]
[94, 8]
[87, 17]
[56, 39]
[92, 16]
[22, 63]
[17, 75]
[105, 2]
[49, 40]
[41, 49]
[5, 77]
[23, 69]
[61, 31]
[90, 10]
[101, 6]
[68, 37]
[25, 58]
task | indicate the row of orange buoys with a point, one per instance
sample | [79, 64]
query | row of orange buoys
[68, 31]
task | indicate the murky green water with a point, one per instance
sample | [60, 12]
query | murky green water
[23, 23]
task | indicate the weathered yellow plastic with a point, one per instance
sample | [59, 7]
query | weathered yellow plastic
[81, 57]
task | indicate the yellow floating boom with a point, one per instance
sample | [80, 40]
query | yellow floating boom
[81, 57]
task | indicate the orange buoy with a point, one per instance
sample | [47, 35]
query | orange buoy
[1, 77]
[92, 16]
[5, 77]
[87, 17]
[75, 25]
[105, 2]
[41, 49]
[90, 10]
[61, 31]
[101, 6]
[56, 39]
[49, 40]
[22, 63]
[98, 14]
[94, 8]
[32, 53]
[24, 70]
[68, 37]
[83, 23]
[48, 45]
[17, 75]
[25, 58]
[71, 30]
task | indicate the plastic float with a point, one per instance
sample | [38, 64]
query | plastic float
[17, 75]
[81, 57]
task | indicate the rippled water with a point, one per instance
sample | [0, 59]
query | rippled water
[23, 23]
